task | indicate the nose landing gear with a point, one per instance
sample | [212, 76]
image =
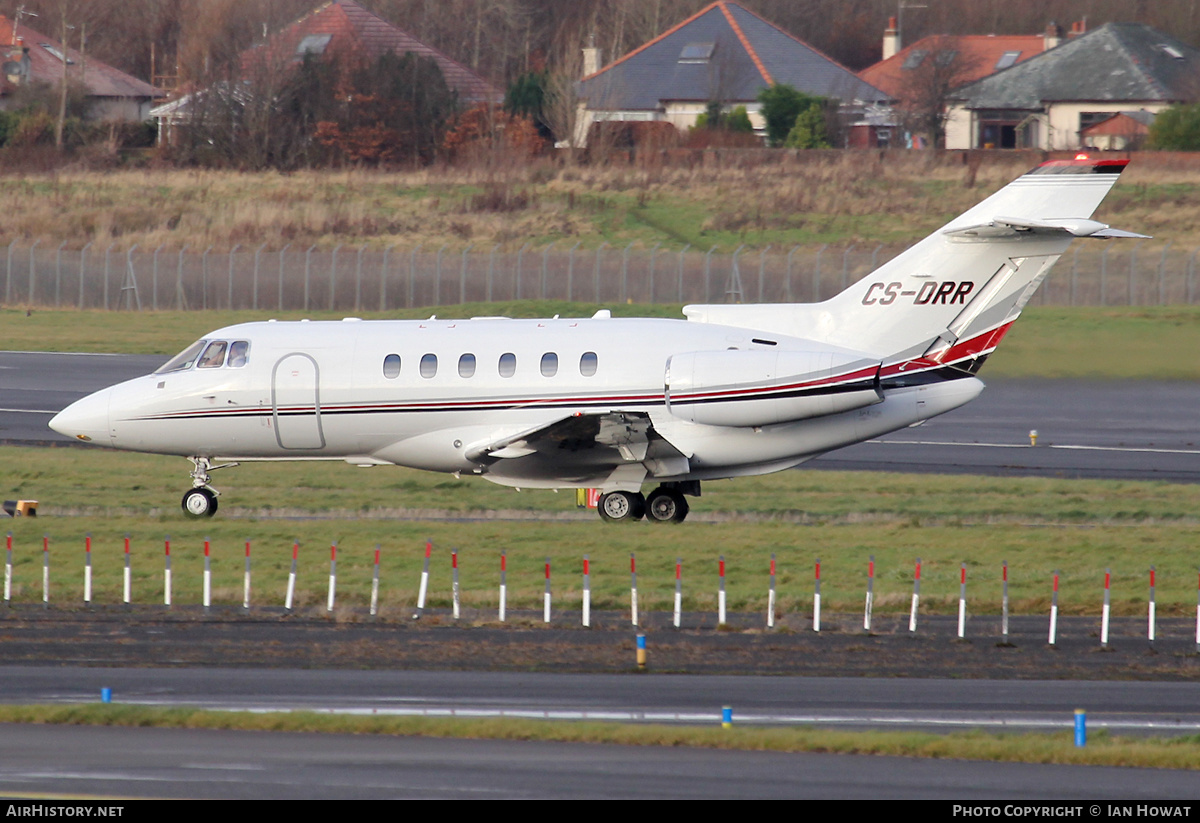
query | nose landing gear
[201, 500]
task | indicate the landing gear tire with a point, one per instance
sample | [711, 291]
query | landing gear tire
[198, 503]
[617, 507]
[666, 506]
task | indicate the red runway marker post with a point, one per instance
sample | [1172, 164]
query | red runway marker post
[1107, 607]
[454, 581]
[771, 595]
[375, 585]
[8, 572]
[1054, 610]
[503, 584]
[332, 576]
[817, 598]
[1150, 616]
[128, 587]
[721, 591]
[291, 586]
[633, 604]
[587, 593]
[87, 570]
[1004, 605]
[207, 578]
[912, 615]
[45, 571]
[546, 596]
[246, 581]
[870, 594]
[424, 582]
[167, 571]
[962, 603]
[678, 591]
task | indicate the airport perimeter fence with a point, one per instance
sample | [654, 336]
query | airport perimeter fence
[346, 278]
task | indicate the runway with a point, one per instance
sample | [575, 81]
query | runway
[196, 763]
[1134, 430]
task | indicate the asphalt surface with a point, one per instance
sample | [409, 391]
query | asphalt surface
[1138, 430]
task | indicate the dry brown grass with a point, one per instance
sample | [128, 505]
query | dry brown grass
[721, 196]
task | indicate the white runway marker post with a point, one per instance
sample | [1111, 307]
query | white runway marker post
[375, 585]
[546, 596]
[912, 614]
[45, 571]
[633, 604]
[1198, 610]
[246, 581]
[87, 570]
[332, 577]
[1150, 616]
[454, 582]
[962, 602]
[1107, 606]
[817, 597]
[207, 578]
[128, 587]
[1054, 610]
[503, 584]
[721, 590]
[870, 594]
[8, 572]
[1004, 604]
[424, 582]
[291, 586]
[167, 571]
[587, 593]
[771, 595]
[678, 591]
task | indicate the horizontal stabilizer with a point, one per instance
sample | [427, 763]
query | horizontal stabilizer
[1012, 226]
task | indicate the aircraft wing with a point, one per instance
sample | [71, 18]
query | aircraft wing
[588, 442]
[1010, 226]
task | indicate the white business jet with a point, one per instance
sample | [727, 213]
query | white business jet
[608, 403]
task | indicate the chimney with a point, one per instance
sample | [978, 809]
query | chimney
[1053, 36]
[591, 57]
[891, 39]
[1077, 28]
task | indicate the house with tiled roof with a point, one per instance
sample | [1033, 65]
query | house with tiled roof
[344, 30]
[1050, 100]
[30, 57]
[723, 53]
[904, 71]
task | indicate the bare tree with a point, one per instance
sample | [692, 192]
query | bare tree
[930, 75]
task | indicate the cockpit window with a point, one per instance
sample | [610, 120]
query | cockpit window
[239, 354]
[214, 355]
[185, 359]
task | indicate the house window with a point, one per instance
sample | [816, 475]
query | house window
[391, 366]
[998, 128]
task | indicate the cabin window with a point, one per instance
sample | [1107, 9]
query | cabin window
[466, 365]
[508, 364]
[239, 354]
[549, 364]
[214, 355]
[587, 364]
[391, 366]
[428, 365]
[184, 359]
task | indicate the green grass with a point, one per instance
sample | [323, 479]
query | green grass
[1037, 525]
[1103, 749]
[1115, 343]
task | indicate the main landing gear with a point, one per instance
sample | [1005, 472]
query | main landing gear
[665, 504]
[201, 500]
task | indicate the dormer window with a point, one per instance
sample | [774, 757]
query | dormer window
[697, 52]
[1009, 58]
[313, 44]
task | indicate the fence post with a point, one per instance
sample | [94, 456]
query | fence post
[412, 274]
[254, 277]
[203, 278]
[358, 279]
[707, 269]
[154, 279]
[462, 276]
[846, 265]
[733, 286]
[545, 265]
[58, 274]
[231, 253]
[624, 295]
[307, 272]
[383, 275]
[1190, 274]
[571, 272]
[437, 281]
[653, 254]
[817, 274]
[131, 277]
[787, 283]
[1133, 269]
[597, 274]
[679, 289]
[1162, 288]
[180, 294]
[762, 255]
[32, 271]
[8, 276]
[333, 276]
[280, 296]
[82, 268]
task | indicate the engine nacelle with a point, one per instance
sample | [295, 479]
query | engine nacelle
[761, 388]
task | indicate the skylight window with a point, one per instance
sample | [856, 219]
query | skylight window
[696, 52]
[313, 44]
[1171, 50]
[56, 52]
[914, 59]
[1007, 59]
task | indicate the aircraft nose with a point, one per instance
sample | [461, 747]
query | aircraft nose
[85, 419]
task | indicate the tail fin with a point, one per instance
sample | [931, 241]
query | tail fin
[949, 299]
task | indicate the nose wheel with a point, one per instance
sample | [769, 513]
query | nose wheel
[198, 503]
